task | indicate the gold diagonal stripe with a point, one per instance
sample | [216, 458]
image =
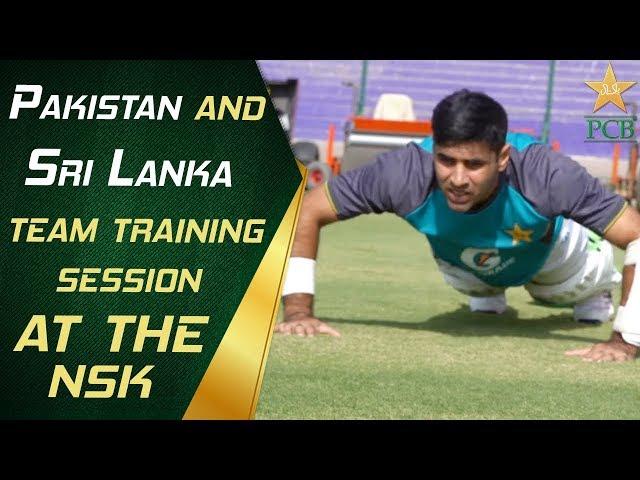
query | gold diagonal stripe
[231, 385]
[299, 197]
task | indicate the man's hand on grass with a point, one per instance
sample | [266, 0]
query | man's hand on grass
[305, 326]
[614, 350]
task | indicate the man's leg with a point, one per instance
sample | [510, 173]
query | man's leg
[482, 296]
[599, 307]
[595, 309]
[587, 289]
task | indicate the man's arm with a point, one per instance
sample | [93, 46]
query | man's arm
[315, 213]
[560, 186]
[623, 344]
[397, 182]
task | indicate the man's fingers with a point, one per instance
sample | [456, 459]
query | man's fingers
[623, 357]
[282, 327]
[594, 356]
[305, 329]
[606, 357]
[578, 352]
[324, 328]
[603, 352]
[620, 357]
[598, 356]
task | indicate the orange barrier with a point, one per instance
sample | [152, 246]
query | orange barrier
[367, 124]
[332, 161]
[332, 134]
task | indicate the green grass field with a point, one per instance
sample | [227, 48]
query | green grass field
[410, 348]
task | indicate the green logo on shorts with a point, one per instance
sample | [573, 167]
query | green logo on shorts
[594, 243]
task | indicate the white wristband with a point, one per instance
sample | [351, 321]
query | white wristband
[627, 326]
[632, 254]
[300, 276]
[627, 321]
[631, 338]
[617, 323]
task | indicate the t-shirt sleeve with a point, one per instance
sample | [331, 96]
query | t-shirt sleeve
[561, 186]
[397, 181]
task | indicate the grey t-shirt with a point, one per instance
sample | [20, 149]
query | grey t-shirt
[401, 180]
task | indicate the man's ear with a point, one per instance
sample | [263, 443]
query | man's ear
[503, 157]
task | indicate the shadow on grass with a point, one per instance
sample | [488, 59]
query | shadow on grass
[463, 323]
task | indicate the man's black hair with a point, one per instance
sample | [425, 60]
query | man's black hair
[466, 116]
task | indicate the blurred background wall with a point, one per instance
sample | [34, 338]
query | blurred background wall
[520, 85]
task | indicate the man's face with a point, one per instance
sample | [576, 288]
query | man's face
[468, 172]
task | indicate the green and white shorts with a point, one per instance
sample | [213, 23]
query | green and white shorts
[579, 266]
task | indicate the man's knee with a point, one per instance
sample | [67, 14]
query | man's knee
[597, 275]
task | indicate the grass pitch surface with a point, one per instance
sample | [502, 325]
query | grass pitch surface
[410, 348]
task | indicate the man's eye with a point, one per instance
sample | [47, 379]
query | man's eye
[474, 165]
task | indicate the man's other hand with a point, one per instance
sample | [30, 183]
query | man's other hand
[305, 326]
[614, 350]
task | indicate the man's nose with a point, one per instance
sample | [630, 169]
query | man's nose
[459, 176]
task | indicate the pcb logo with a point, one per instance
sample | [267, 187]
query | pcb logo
[610, 128]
